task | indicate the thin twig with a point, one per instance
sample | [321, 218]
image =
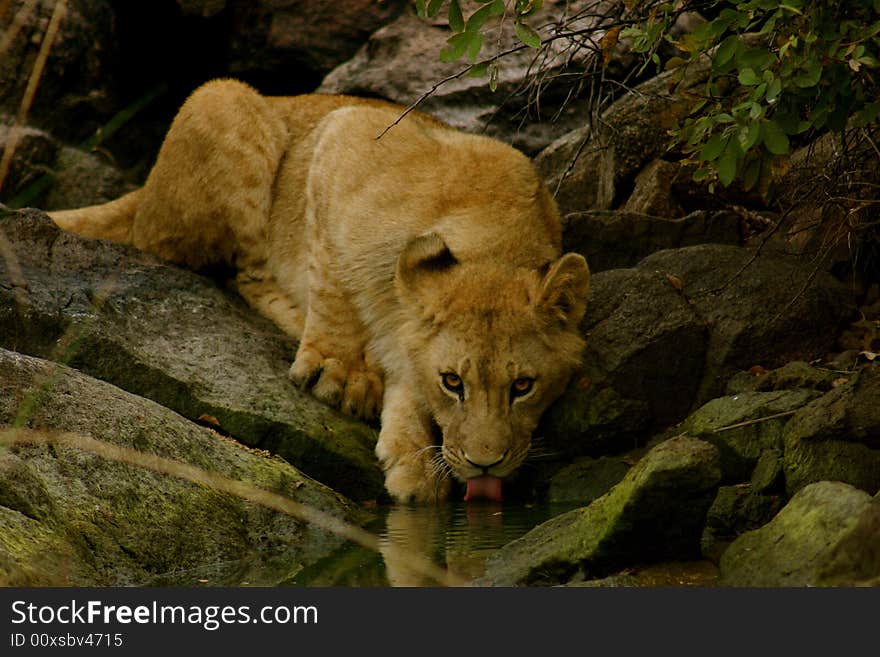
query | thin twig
[758, 420]
[11, 32]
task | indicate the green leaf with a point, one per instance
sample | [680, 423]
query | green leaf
[751, 174]
[725, 52]
[713, 148]
[753, 133]
[456, 46]
[866, 115]
[480, 16]
[456, 20]
[493, 76]
[775, 138]
[811, 74]
[434, 8]
[702, 174]
[474, 47]
[756, 59]
[773, 90]
[420, 9]
[528, 7]
[728, 161]
[747, 77]
[527, 35]
[478, 70]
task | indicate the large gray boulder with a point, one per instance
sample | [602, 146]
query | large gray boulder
[613, 239]
[663, 338]
[400, 62]
[69, 516]
[174, 337]
[759, 308]
[656, 512]
[642, 365]
[827, 534]
[311, 37]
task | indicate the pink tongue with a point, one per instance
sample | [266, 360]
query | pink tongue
[485, 486]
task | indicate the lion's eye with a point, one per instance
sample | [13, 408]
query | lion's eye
[521, 387]
[452, 382]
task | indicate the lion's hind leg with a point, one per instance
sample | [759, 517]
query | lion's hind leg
[207, 200]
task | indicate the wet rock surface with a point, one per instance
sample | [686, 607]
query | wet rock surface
[69, 516]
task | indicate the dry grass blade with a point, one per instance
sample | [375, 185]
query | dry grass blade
[33, 81]
[20, 17]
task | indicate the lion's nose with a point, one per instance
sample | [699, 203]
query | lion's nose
[484, 463]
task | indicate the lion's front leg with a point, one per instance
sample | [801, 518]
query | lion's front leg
[414, 468]
[331, 358]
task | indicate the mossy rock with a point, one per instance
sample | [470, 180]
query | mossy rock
[71, 517]
[655, 513]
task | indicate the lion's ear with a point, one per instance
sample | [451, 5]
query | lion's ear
[421, 259]
[564, 290]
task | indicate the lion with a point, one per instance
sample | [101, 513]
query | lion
[421, 272]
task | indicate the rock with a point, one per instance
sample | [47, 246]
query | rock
[760, 309]
[69, 517]
[76, 92]
[837, 437]
[809, 541]
[736, 509]
[34, 156]
[586, 479]
[642, 365]
[203, 8]
[174, 337]
[764, 415]
[612, 239]
[310, 37]
[656, 512]
[83, 179]
[855, 559]
[796, 374]
[652, 191]
[400, 63]
[768, 474]
[595, 170]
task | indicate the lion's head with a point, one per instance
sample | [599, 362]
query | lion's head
[491, 346]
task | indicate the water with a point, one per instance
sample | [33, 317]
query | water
[459, 537]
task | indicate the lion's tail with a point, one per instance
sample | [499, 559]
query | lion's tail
[110, 221]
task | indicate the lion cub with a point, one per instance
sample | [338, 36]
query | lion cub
[421, 273]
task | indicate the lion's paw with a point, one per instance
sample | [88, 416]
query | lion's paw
[414, 478]
[356, 390]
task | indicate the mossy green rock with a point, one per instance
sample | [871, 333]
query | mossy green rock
[71, 517]
[741, 446]
[837, 437]
[656, 512]
[819, 536]
[586, 479]
[175, 337]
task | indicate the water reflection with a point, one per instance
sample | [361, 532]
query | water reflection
[459, 537]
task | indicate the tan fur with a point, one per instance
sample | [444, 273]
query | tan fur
[392, 261]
